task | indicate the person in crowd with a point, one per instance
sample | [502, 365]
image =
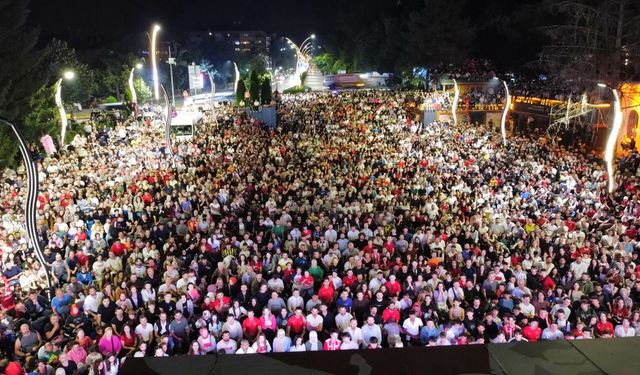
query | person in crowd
[351, 223]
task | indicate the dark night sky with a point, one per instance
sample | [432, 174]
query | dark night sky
[68, 18]
[504, 28]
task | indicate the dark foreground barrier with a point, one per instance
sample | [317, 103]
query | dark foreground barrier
[561, 357]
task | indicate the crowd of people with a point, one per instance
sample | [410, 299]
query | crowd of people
[349, 226]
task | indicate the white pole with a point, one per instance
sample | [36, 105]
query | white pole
[63, 113]
[173, 98]
[503, 122]
[235, 85]
[609, 154]
[134, 97]
[213, 90]
[154, 65]
[31, 203]
[454, 107]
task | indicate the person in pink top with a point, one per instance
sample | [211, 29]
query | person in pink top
[109, 343]
[268, 324]
[77, 354]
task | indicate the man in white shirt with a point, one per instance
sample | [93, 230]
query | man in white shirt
[314, 321]
[411, 327]
[371, 329]
[227, 343]
[354, 331]
[295, 301]
[330, 234]
[92, 302]
[578, 267]
[245, 348]
[144, 330]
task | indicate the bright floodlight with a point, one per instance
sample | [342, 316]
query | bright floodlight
[313, 36]
[138, 66]
[68, 74]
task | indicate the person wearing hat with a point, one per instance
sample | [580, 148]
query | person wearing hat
[78, 319]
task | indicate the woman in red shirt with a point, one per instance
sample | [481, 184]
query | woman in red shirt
[604, 328]
[326, 293]
[306, 284]
[619, 311]
[129, 341]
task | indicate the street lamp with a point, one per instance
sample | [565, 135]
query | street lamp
[503, 122]
[68, 75]
[167, 128]
[31, 204]
[134, 97]
[312, 36]
[154, 65]
[454, 107]
[612, 140]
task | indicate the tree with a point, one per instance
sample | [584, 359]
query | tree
[324, 62]
[266, 91]
[20, 72]
[258, 64]
[112, 80]
[43, 116]
[143, 91]
[59, 57]
[338, 66]
[593, 40]
[242, 88]
[254, 86]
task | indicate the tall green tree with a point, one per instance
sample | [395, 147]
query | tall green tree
[265, 93]
[59, 57]
[143, 91]
[20, 76]
[324, 62]
[20, 72]
[254, 86]
[43, 117]
[240, 91]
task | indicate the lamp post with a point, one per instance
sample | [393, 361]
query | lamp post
[58, 98]
[454, 107]
[31, 204]
[308, 40]
[302, 59]
[505, 111]
[134, 97]
[612, 140]
[171, 62]
[167, 128]
[213, 89]
[154, 65]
